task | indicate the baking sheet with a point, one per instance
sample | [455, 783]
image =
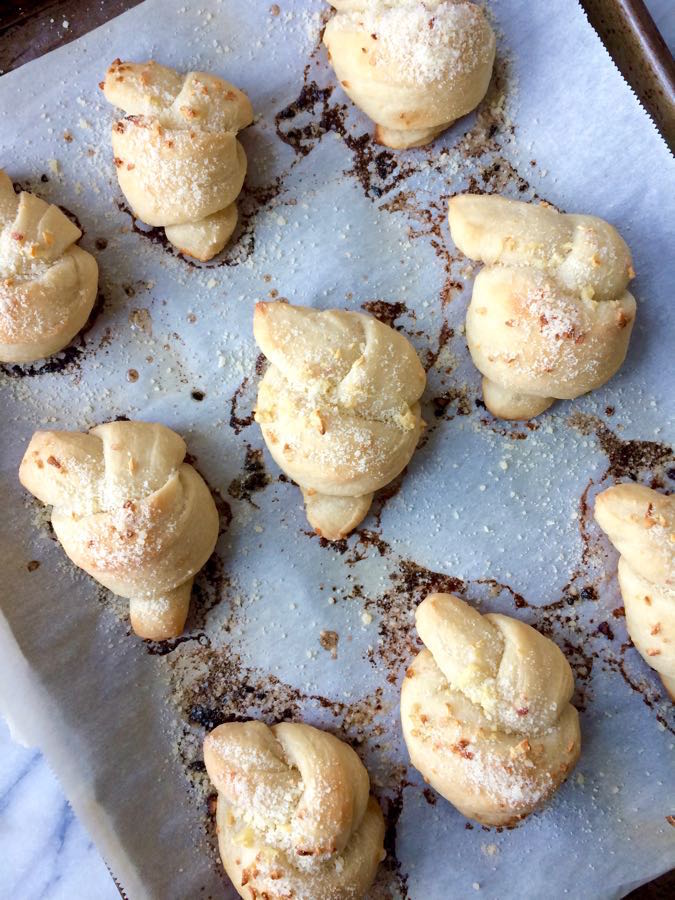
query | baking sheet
[283, 625]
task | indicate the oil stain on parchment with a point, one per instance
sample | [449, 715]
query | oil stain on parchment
[212, 684]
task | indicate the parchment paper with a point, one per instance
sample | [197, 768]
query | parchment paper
[284, 626]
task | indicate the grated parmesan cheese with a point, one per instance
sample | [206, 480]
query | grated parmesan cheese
[427, 40]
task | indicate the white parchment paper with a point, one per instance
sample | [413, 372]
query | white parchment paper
[282, 625]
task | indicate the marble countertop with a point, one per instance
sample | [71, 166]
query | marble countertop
[45, 853]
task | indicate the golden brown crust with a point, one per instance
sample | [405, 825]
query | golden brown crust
[485, 711]
[640, 523]
[47, 283]
[178, 160]
[413, 67]
[128, 511]
[294, 814]
[550, 317]
[338, 407]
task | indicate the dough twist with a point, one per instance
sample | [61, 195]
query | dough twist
[179, 163]
[486, 713]
[47, 283]
[413, 66]
[294, 814]
[128, 511]
[641, 524]
[338, 407]
[550, 317]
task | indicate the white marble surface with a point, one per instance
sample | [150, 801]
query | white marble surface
[45, 854]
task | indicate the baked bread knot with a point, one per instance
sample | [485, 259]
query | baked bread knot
[413, 66]
[640, 523]
[179, 163]
[128, 511]
[550, 317]
[338, 407]
[47, 283]
[486, 711]
[294, 815]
